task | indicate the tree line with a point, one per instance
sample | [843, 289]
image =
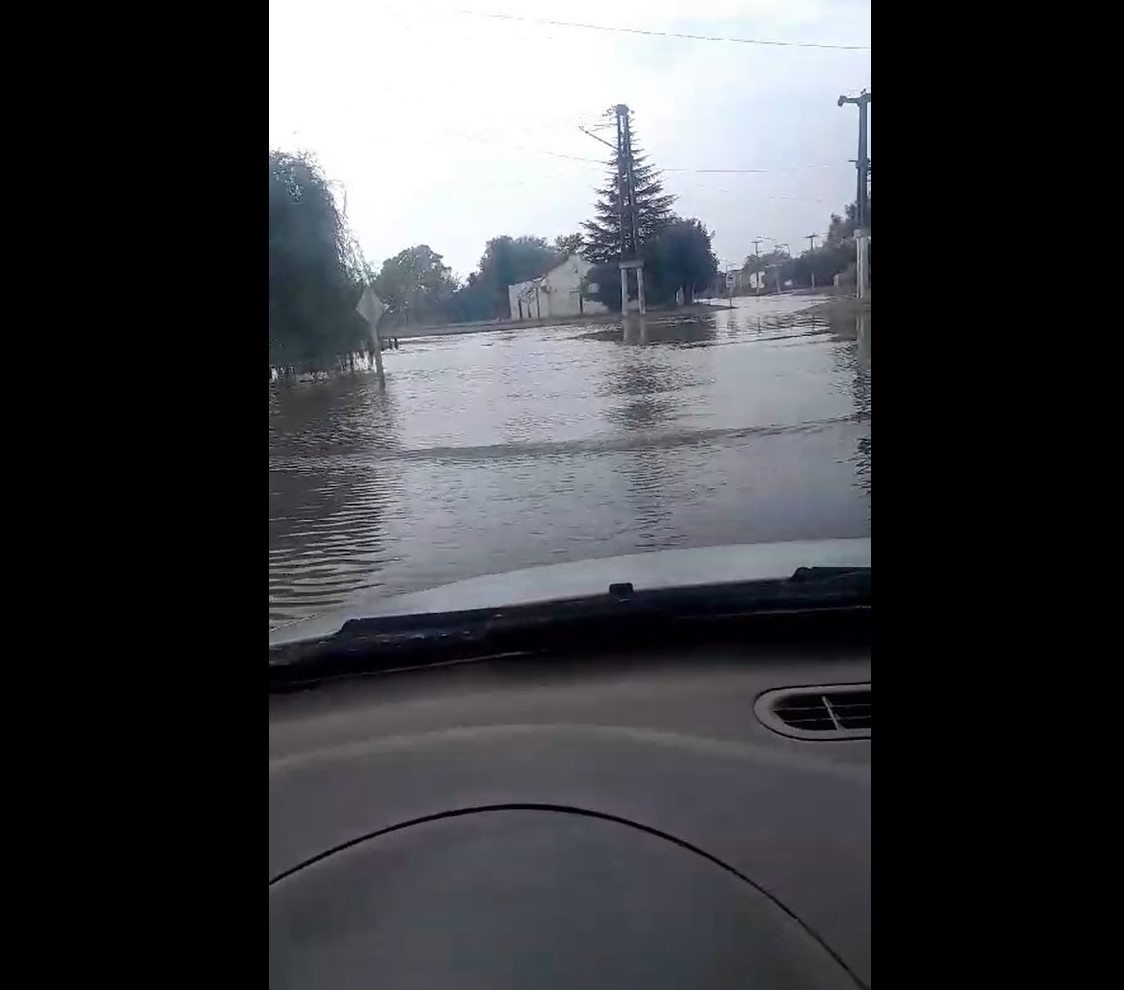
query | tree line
[419, 288]
[819, 265]
[317, 271]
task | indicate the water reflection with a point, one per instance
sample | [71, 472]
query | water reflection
[652, 383]
[664, 329]
[647, 391]
[338, 415]
[853, 360]
[635, 330]
[489, 452]
[326, 499]
[325, 533]
[862, 399]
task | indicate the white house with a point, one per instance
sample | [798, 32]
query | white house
[557, 293]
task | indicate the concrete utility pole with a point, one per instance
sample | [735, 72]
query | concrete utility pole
[626, 211]
[862, 200]
[628, 240]
[811, 238]
[760, 272]
[620, 205]
[634, 240]
[788, 251]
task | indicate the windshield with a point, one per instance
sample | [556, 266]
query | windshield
[552, 285]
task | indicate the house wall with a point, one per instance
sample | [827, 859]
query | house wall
[524, 291]
[555, 294]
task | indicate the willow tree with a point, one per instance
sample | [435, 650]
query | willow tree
[315, 275]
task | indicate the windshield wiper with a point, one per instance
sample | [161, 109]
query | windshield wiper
[622, 615]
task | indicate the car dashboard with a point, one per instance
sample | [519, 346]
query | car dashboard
[655, 818]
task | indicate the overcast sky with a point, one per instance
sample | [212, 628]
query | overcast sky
[438, 123]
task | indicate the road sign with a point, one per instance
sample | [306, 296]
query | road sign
[370, 307]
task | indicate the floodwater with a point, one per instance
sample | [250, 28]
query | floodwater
[494, 451]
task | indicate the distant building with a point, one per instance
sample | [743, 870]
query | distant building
[751, 281]
[557, 293]
[735, 282]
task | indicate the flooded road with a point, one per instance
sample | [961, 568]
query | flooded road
[493, 451]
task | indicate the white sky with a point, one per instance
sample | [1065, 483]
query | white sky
[435, 122]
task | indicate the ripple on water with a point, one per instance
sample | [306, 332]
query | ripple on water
[492, 452]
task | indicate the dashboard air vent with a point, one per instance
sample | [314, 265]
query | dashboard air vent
[840, 711]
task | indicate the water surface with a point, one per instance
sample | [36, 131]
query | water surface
[493, 451]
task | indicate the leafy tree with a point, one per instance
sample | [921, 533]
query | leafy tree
[772, 265]
[835, 255]
[314, 273]
[507, 260]
[653, 210]
[472, 301]
[415, 284]
[841, 229]
[678, 257]
[851, 209]
[568, 244]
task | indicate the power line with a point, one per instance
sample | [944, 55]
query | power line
[491, 140]
[746, 171]
[660, 34]
[558, 154]
[486, 139]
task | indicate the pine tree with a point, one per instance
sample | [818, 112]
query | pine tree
[653, 210]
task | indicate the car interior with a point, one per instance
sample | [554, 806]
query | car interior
[695, 814]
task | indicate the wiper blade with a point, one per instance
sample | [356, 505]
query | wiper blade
[387, 642]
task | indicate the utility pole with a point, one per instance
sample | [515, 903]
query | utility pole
[634, 240]
[626, 209]
[812, 264]
[620, 210]
[862, 200]
[626, 196]
[760, 271]
[779, 268]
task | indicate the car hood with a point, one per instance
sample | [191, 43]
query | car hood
[657, 569]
